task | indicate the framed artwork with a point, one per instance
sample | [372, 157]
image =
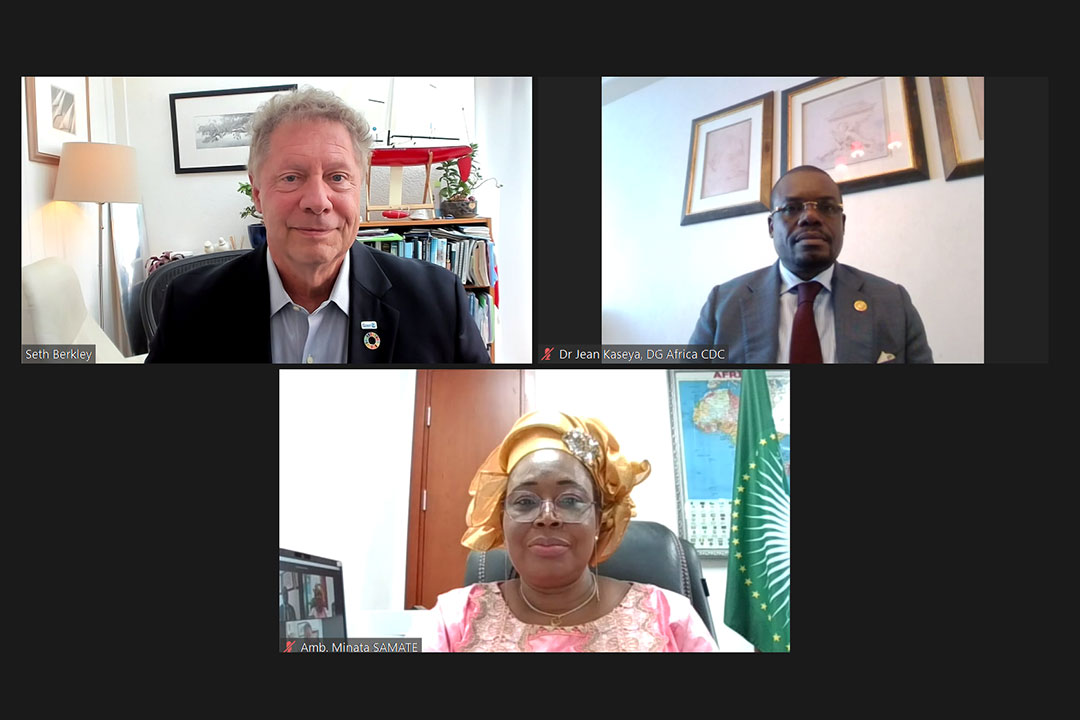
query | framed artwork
[959, 109]
[865, 132]
[212, 129]
[729, 171]
[704, 408]
[57, 111]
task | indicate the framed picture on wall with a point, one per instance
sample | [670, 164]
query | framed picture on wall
[57, 111]
[865, 132]
[729, 171]
[959, 109]
[704, 407]
[212, 129]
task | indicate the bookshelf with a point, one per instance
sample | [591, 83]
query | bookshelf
[400, 226]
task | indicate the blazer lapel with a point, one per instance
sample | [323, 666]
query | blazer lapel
[252, 303]
[854, 328]
[761, 317]
[375, 342]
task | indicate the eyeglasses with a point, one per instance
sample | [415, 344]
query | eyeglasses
[795, 209]
[525, 507]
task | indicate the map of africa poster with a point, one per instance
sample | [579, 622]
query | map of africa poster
[705, 419]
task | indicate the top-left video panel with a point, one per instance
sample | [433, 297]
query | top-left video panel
[286, 220]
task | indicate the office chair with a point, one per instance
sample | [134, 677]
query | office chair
[649, 553]
[54, 313]
[152, 297]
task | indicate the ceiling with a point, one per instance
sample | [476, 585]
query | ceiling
[614, 88]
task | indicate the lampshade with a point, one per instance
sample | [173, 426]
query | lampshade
[96, 172]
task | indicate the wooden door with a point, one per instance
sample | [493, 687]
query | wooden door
[460, 416]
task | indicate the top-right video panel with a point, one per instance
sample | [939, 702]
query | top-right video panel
[795, 219]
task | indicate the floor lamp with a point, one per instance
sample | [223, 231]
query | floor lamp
[99, 173]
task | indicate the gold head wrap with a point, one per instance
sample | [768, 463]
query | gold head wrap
[586, 439]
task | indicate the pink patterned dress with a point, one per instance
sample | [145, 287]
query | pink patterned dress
[649, 619]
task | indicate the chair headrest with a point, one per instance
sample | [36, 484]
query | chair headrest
[649, 553]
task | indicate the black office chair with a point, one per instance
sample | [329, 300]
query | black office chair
[152, 297]
[649, 553]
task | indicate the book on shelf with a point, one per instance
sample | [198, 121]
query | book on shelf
[481, 310]
[480, 273]
[440, 252]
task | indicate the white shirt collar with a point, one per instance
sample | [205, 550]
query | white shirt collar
[339, 294]
[789, 280]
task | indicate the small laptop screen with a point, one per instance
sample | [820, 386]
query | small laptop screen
[311, 603]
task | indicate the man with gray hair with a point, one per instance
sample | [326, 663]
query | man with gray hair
[313, 294]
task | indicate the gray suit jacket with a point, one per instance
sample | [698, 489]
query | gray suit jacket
[744, 315]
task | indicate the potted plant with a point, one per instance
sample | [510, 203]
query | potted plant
[256, 231]
[458, 179]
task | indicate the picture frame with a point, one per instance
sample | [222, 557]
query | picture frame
[57, 111]
[865, 132]
[729, 168]
[211, 129]
[704, 424]
[959, 110]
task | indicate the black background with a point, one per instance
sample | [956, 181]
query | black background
[916, 475]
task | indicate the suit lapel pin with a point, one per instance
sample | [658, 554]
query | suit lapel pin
[371, 341]
[860, 305]
[369, 325]
[885, 357]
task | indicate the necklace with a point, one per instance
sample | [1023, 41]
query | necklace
[556, 620]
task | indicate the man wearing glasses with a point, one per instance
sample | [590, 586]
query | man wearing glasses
[808, 308]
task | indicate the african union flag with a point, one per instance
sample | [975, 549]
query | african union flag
[758, 603]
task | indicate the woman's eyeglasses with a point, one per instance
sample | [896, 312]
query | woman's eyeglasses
[568, 508]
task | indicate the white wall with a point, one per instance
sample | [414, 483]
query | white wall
[927, 236]
[344, 491]
[362, 460]
[504, 132]
[184, 210]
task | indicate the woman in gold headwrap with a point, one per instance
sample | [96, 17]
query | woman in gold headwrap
[556, 494]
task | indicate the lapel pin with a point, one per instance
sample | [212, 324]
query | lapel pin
[885, 357]
[860, 305]
[371, 340]
[369, 325]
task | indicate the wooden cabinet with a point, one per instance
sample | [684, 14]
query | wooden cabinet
[400, 226]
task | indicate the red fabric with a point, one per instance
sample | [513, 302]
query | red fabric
[401, 157]
[805, 344]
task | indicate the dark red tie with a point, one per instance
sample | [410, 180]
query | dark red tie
[805, 345]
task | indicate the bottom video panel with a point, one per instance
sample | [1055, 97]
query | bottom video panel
[534, 510]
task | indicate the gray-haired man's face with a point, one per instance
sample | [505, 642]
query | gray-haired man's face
[308, 190]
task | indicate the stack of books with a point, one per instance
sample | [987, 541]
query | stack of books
[382, 239]
[468, 252]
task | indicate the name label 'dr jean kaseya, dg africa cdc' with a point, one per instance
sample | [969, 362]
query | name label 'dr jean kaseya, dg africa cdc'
[632, 354]
[59, 354]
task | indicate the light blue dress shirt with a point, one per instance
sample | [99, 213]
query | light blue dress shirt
[297, 336]
[823, 313]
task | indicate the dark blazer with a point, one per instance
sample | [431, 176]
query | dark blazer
[222, 313]
[744, 315]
